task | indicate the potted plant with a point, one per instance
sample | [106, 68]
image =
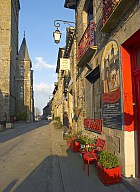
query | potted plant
[88, 144]
[57, 123]
[75, 141]
[108, 167]
[69, 138]
[75, 144]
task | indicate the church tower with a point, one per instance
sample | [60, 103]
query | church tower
[9, 17]
[24, 82]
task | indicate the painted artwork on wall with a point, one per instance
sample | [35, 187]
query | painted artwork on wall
[111, 95]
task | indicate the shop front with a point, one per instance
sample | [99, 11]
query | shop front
[131, 80]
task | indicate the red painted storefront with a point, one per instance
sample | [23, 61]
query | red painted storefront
[130, 53]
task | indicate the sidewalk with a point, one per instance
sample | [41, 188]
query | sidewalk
[73, 176]
[74, 179]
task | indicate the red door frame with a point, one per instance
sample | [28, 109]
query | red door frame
[138, 116]
[130, 88]
[136, 90]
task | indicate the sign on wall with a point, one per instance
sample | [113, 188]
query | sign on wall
[64, 64]
[93, 125]
[111, 94]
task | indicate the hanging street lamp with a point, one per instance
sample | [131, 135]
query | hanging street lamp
[57, 33]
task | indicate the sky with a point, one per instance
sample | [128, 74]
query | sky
[36, 18]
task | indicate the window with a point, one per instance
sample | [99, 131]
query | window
[96, 98]
[87, 14]
[21, 70]
[90, 12]
[21, 91]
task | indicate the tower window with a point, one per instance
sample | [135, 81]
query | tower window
[21, 70]
[21, 91]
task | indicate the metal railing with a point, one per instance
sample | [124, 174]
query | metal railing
[87, 40]
[108, 8]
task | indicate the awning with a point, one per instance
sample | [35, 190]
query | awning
[93, 75]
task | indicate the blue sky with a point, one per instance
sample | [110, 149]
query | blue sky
[36, 18]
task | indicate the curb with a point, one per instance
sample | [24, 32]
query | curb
[131, 184]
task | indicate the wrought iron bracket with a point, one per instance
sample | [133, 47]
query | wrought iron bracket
[57, 23]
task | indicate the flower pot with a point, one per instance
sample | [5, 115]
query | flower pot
[75, 146]
[109, 176]
[68, 143]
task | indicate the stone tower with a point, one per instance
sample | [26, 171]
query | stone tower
[9, 16]
[24, 83]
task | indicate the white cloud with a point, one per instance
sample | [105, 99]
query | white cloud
[43, 92]
[43, 88]
[41, 63]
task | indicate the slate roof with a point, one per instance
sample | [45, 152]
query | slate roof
[23, 52]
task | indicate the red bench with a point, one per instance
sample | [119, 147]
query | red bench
[91, 157]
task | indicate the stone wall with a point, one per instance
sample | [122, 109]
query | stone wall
[8, 52]
[117, 140]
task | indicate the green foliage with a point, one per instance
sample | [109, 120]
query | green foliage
[81, 141]
[108, 160]
[22, 115]
[86, 140]
[80, 137]
[69, 136]
[57, 119]
[57, 123]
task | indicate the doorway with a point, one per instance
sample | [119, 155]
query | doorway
[131, 89]
[135, 56]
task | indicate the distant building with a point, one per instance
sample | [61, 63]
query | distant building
[47, 110]
[24, 83]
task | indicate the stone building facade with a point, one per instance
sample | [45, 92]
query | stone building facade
[70, 52]
[9, 17]
[54, 100]
[60, 105]
[65, 88]
[108, 76]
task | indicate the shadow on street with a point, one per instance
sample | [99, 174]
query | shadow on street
[20, 129]
[62, 174]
